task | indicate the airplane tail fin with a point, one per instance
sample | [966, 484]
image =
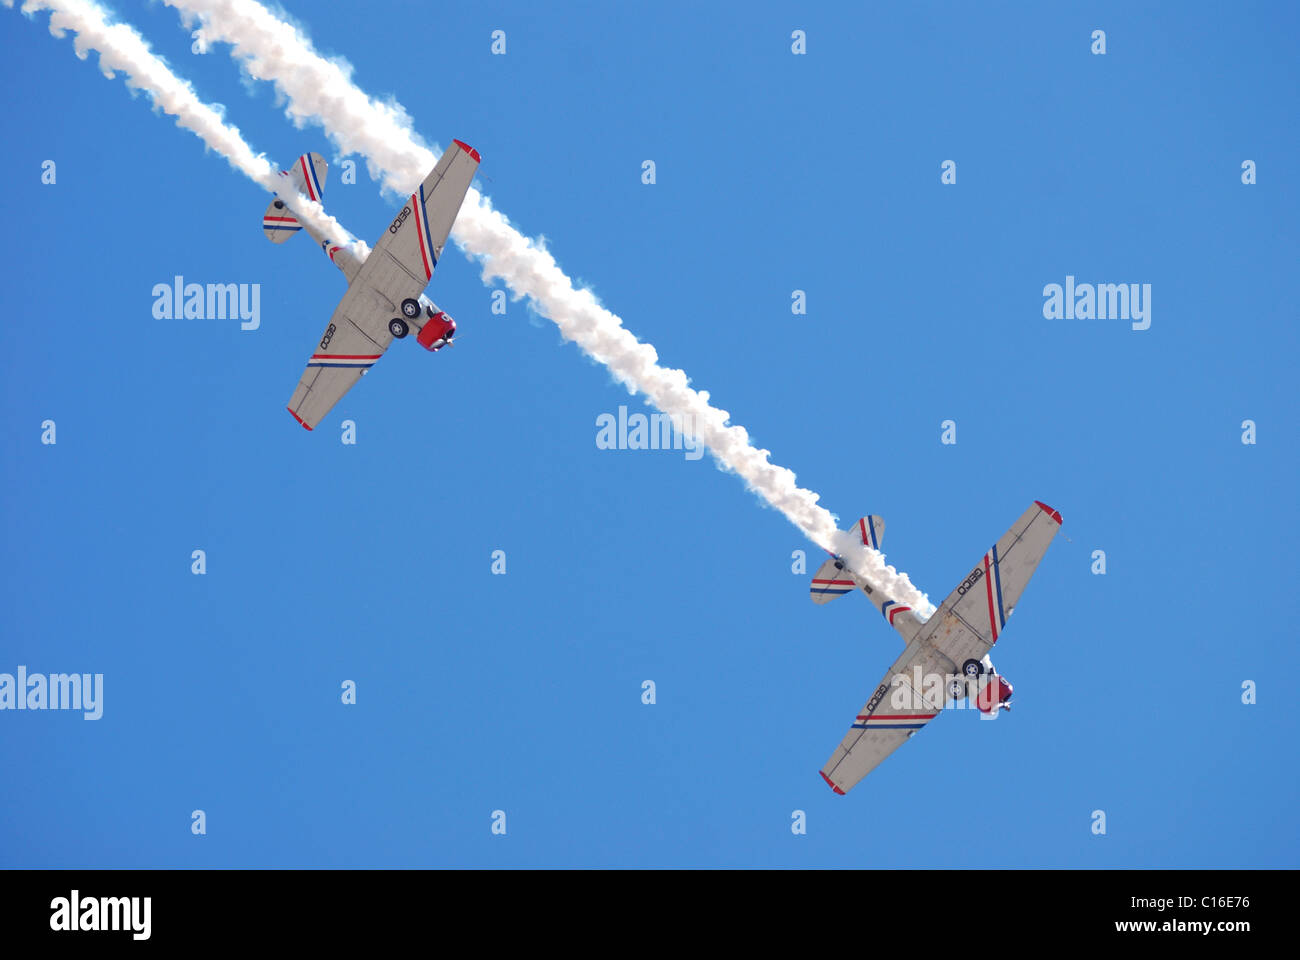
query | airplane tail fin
[830, 580]
[308, 177]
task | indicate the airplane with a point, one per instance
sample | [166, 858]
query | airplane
[945, 658]
[385, 298]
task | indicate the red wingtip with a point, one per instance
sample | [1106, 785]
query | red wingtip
[468, 149]
[298, 418]
[1049, 511]
[829, 784]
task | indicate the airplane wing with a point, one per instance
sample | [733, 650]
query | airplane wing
[408, 251]
[971, 619]
[893, 715]
[398, 269]
[356, 337]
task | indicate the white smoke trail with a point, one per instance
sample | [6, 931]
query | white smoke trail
[121, 48]
[321, 91]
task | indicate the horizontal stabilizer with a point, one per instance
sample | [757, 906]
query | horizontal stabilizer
[831, 580]
[278, 223]
[308, 177]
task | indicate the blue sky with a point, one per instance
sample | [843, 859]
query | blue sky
[478, 692]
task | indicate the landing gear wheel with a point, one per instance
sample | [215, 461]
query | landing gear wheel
[397, 327]
[410, 308]
[957, 688]
[279, 204]
[972, 668]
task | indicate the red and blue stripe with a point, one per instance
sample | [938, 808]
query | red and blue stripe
[890, 609]
[422, 233]
[309, 176]
[867, 530]
[893, 721]
[281, 223]
[993, 591]
[364, 361]
[833, 588]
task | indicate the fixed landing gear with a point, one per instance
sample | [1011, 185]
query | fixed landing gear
[398, 328]
[410, 308]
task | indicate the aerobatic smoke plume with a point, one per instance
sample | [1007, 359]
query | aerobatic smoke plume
[122, 50]
[319, 90]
